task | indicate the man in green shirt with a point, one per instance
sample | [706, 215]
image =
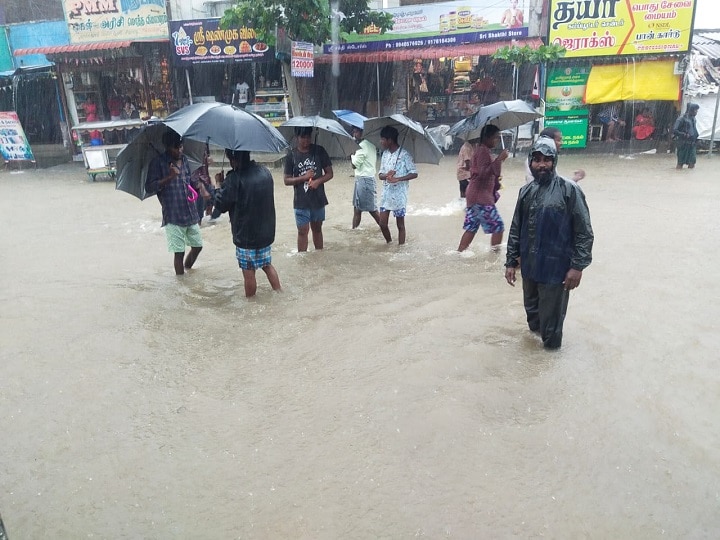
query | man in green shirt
[364, 161]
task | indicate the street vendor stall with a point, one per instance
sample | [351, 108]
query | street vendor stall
[100, 158]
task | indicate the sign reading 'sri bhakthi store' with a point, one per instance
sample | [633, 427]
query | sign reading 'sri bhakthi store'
[91, 21]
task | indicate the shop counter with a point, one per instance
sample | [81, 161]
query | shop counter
[100, 158]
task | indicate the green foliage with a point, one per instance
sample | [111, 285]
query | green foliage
[522, 55]
[303, 20]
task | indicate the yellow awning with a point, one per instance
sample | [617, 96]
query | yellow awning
[641, 81]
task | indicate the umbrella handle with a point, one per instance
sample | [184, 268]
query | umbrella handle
[193, 194]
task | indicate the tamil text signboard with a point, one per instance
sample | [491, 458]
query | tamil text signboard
[621, 27]
[564, 104]
[441, 24]
[204, 42]
[115, 20]
[14, 145]
[302, 61]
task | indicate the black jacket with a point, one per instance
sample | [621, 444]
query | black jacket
[248, 195]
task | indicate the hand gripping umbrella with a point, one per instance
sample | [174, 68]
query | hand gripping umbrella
[503, 114]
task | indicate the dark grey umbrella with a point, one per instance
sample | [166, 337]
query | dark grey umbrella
[326, 132]
[503, 114]
[411, 136]
[226, 126]
[133, 161]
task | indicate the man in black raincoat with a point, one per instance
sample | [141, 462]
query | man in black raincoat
[551, 241]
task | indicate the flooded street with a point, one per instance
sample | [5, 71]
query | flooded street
[388, 392]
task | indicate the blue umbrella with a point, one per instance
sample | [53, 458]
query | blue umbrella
[351, 117]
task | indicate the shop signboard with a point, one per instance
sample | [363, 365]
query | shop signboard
[565, 106]
[441, 24]
[202, 41]
[302, 59]
[621, 27]
[574, 129]
[566, 90]
[6, 59]
[117, 20]
[14, 145]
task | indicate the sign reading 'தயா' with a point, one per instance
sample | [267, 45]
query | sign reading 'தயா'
[621, 27]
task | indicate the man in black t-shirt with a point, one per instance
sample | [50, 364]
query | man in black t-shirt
[307, 168]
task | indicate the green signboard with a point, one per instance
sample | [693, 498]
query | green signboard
[6, 59]
[565, 106]
[574, 129]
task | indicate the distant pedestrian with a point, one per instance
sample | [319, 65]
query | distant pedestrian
[397, 168]
[307, 168]
[551, 240]
[464, 160]
[482, 193]
[170, 179]
[686, 135]
[364, 161]
[247, 194]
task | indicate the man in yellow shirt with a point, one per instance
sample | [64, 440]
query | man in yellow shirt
[364, 161]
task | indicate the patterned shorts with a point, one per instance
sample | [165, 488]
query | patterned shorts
[485, 215]
[400, 212]
[178, 237]
[253, 259]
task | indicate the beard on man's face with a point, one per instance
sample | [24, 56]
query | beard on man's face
[542, 175]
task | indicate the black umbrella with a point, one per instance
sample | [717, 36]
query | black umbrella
[133, 161]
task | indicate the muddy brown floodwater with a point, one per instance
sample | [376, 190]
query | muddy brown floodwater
[388, 392]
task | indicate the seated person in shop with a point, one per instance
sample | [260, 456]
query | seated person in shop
[644, 125]
[610, 116]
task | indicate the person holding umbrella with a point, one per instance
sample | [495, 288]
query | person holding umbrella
[169, 178]
[482, 192]
[397, 168]
[307, 168]
[247, 194]
[364, 197]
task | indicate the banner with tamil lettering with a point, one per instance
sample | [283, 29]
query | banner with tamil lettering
[14, 146]
[202, 41]
[565, 106]
[302, 59]
[444, 23]
[621, 27]
[92, 21]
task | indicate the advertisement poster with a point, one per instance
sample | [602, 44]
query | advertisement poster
[443, 23]
[204, 42]
[566, 90]
[14, 145]
[302, 59]
[115, 20]
[621, 27]
[574, 129]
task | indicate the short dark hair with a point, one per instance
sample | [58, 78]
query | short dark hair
[171, 139]
[550, 132]
[488, 131]
[389, 132]
[301, 131]
[240, 156]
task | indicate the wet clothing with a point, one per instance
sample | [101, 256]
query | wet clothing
[550, 234]
[365, 161]
[179, 238]
[248, 196]
[685, 133]
[395, 196]
[253, 259]
[173, 197]
[298, 163]
[484, 178]
[485, 216]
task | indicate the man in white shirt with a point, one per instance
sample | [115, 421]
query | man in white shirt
[242, 94]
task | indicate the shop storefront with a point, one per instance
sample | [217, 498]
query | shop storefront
[443, 52]
[228, 65]
[620, 79]
[114, 66]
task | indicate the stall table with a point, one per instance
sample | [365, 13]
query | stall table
[100, 159]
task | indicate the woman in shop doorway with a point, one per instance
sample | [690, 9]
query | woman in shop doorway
[644, 125]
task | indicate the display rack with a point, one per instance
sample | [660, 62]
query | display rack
[272, 104]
